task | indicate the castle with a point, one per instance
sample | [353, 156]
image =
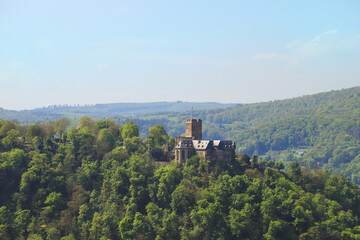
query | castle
[192, 143]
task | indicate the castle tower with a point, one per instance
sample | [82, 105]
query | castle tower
[194, 129]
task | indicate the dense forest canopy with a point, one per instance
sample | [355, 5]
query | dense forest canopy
[97, 181]
[321, 130]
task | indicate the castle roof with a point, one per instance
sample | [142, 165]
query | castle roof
[185, 143]
[206, 144]
[202, 144]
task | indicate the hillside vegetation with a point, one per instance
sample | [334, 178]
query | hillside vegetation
[324, 126]
[97, 181]
[321, 130]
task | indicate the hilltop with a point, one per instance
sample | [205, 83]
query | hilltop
[101, 111]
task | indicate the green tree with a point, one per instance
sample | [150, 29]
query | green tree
[33, 131]
[106, 123]
[157, 137]
[22, 220]
[6, 217]
[52, 233]
[82, 141]
[6, 127]
[54, 204]
[279, 166]
[184, 197]
[134, 144]
[279, 230]
[12, 140]
[171, 143]
[105, 141]
[86, 122]
[130, 130]
[61, 125]
[96, 226]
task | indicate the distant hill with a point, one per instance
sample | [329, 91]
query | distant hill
[100, 111]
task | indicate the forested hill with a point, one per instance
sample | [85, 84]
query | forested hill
[318, 130]
[321, 130]
[98, 181]
[334, 102]
[325, 126]
[101, 111]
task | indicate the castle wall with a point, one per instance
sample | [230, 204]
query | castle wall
[181, 155]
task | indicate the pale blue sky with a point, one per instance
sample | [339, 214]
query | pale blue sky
[86, 52]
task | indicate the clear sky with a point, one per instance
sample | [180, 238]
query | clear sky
[86, 52]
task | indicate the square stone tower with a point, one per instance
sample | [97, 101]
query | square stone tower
[193, 129]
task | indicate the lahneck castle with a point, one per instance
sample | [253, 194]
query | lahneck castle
[193, 144]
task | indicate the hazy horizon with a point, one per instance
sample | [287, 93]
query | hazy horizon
[93, 104]
[90, 52]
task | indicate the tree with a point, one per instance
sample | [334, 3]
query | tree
[4, 234]
[61, 125]
[279, 230]
[106, 123]
[134, 144]
[105, 141]
[34, 131]
[86, 122]
[351, 234]
[241, 223]
[82, 141]
[12, 140]
[12, 166]
[96, 226]
[130, 130]
[6, 217]
[157, 137]
[171, 143]
[54, 203]
[68, 237]
[279, 166]
[5, 127]
[22, 220]
[34, 236]
[125, 228]
[295, 171]
[184, 197]
[48, 130]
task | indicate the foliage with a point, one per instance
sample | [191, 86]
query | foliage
[92, 187]
[130, 130]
